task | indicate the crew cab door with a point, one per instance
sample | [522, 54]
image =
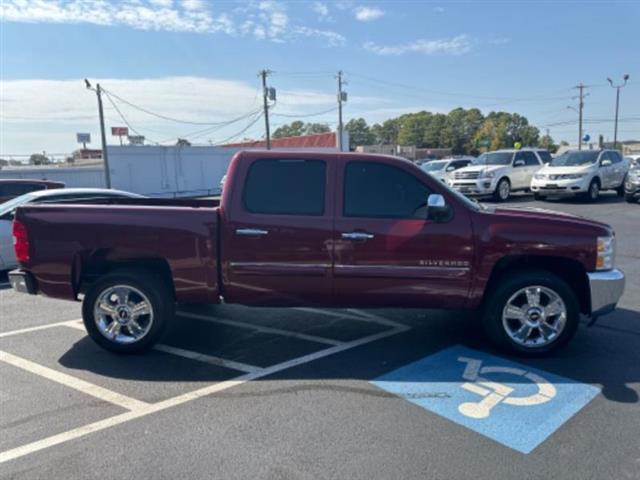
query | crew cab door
[519, 171]
[277, 232]
[531, 165]
[386, 252]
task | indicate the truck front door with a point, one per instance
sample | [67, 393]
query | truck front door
[386, 252]
[277, 236]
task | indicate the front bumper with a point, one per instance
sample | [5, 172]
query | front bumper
[560, 187]
[480, 186]
[632, 188]
[23, 282]
[606, 289]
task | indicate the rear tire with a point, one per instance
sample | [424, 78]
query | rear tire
[128, 311]
[620, 189]
[537, 327]
[503, 190]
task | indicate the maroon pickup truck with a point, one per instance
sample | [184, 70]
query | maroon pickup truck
[333, 230]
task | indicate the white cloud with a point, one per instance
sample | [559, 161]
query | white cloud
[263, 20]
[446, 46]
[188, 16]
[439, 10]
[322, 10]
[333, 39]
[32, 123]
[368, 14]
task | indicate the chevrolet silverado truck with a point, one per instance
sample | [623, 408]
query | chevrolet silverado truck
[320, 229]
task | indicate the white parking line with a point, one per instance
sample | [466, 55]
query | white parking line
[73, 382]
[39, 327]
[211, 360]
[353, 314]
[184, 398]
[260, 328]
[191, 355]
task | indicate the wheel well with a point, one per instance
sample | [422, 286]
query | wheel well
[597, 180]
[102, 262]
[571, 271]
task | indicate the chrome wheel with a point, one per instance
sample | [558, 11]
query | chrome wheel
[123, 314]
[534, 316]
[504, 189]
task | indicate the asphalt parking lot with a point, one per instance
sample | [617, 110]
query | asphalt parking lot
[322, 393]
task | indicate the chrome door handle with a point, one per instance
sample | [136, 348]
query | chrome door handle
[251, 232]
[357, 236]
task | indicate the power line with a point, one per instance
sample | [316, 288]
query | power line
[165, 117]
[315, 114]
[123, 117]
[232, 137]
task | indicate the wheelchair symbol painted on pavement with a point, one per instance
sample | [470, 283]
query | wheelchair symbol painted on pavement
[494, 393]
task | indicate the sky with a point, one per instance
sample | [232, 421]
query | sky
[196, 63]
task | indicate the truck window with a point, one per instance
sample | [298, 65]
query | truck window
[376, 190]
[545, 156]
[285, 187]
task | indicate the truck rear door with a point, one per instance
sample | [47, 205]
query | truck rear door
[277, 236]
[386, 252]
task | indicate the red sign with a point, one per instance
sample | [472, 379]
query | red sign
[119, 131]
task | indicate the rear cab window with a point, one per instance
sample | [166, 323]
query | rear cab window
[285, 187]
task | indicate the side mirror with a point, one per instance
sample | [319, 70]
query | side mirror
[605, 163]
[437, 208]
[451, 168]
[518, 163]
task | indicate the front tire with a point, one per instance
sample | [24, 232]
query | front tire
[537, 196]
[532, 312]
[593, 191]
[128, 311]
[503, 190]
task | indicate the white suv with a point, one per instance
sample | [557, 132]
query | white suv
[499, 173]
[581, 172]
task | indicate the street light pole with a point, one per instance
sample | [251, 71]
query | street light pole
[103, 135]
[617, 87]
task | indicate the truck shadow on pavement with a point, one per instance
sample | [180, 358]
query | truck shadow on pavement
[606, 355]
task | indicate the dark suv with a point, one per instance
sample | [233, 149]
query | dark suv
[11, 188]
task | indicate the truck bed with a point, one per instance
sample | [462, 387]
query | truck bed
[70, 245]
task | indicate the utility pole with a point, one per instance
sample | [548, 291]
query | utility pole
[580, 108]
[342, 97]
[103, 135]
[265, 96]
[617, 87]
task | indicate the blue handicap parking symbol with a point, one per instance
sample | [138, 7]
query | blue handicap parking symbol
[511, 403]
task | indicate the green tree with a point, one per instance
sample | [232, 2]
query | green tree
[359, 132]
[387, 132]
[298, 128]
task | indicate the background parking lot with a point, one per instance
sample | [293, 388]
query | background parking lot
[273, 393]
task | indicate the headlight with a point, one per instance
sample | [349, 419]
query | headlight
[572, 176]
[634, 176]
[486, 174]
[606, 253]
[540, 176]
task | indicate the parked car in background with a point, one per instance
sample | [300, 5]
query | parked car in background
[581, 172]
[66, 195]
[11, 188]
[632, 184]
[324, 229]
[499, 173]
[633, 160]
[442, 169]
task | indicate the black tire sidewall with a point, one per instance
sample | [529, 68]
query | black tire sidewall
[497, 192]
[155, 289]
[492, 311]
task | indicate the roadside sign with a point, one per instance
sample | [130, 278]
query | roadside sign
[513, 404]
[136, 139]
[83, 138]
[119, 131]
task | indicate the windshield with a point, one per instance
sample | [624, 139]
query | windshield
[572, 159]
[433, 166]
[10, 205]
[495, 158]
